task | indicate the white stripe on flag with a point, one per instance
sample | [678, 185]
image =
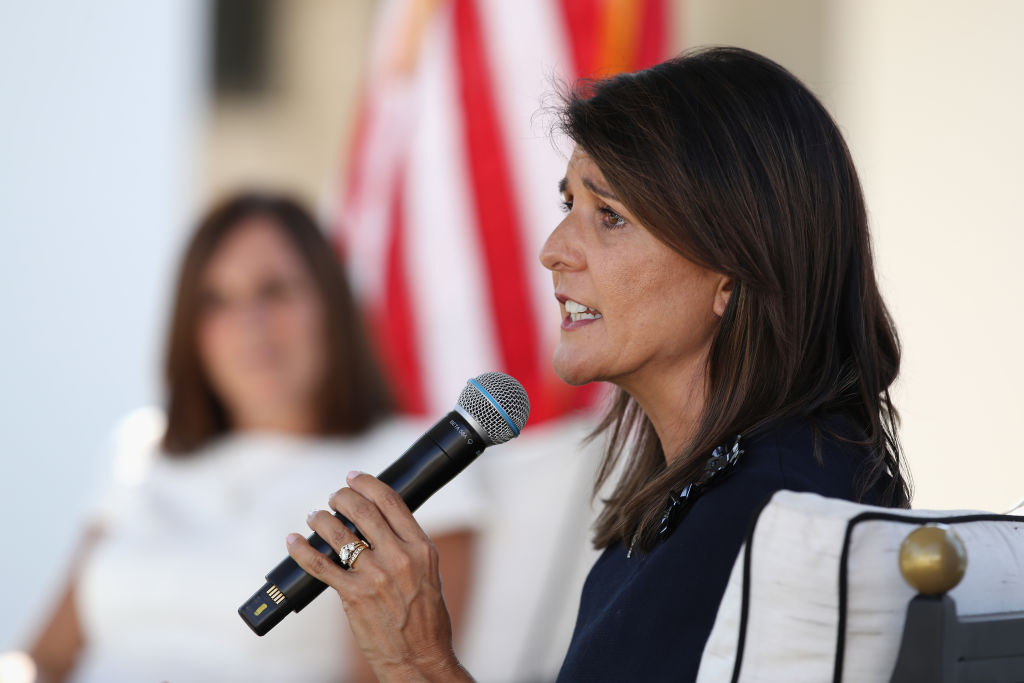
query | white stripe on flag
[449, 285]
[366, 216]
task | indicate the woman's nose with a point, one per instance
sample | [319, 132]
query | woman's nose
[561, 250]
[252, 313]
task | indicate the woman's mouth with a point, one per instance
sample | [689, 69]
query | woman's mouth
[578, 311]
[578, 315]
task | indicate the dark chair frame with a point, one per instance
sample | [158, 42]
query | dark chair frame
[940, 647]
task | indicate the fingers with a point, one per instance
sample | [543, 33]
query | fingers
[315, 562]
[330, 528]
[387, 504]
[392, 595]
[382, 518]
[366, 517]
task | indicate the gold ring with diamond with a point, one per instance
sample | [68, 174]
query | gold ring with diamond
[350, 551]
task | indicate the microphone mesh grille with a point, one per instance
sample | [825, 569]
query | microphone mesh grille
[509, 394]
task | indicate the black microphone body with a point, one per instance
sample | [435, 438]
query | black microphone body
[430, 463]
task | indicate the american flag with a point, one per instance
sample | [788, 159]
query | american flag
[452, 183]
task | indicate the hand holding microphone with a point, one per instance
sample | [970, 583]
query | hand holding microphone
[393, 594]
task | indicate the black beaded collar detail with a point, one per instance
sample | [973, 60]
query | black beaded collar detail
[721, 463]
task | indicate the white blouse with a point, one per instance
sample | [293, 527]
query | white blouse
[187, 539]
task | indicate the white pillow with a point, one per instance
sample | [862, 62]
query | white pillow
[813, 563]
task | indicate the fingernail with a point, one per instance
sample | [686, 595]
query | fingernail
[291, 538]
[352, 475]
[311, 513]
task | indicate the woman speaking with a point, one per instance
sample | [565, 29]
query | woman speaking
[714, 264]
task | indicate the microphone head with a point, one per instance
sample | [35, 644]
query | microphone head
[498, 403]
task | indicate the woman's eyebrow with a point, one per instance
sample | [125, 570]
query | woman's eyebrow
[598, 190]
[563, 185]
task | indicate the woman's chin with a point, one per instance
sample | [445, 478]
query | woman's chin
[572, 370]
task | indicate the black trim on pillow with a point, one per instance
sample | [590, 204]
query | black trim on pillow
[837, 671]
[843, 579]
[741, 639]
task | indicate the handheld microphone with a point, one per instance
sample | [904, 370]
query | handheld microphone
[492, 409]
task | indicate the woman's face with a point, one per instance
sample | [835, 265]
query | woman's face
[633, 309]
[261, 336]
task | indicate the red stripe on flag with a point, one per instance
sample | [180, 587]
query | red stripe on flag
[654, 34]
[582, 20]
[582, 23]
[393, 319]
[494, 202]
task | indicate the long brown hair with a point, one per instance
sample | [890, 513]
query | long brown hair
[728, 159]
[353, 394]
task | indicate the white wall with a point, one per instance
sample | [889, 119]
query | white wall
[930, 97]
[98, 106]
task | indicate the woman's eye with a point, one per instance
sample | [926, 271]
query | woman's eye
[566, 206]
[610, 219]
[274, 291]
[210, 302]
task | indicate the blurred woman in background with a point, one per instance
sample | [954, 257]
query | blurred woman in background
[273, 394]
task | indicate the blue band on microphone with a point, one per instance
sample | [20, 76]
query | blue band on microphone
[497, 406]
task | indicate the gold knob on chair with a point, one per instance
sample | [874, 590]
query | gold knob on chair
[933, 559]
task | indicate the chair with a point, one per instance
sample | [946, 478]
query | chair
[938, 645]
[816, 594]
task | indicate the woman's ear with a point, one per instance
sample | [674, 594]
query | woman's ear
[722, 293]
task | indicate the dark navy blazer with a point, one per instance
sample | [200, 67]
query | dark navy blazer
[647, 617]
